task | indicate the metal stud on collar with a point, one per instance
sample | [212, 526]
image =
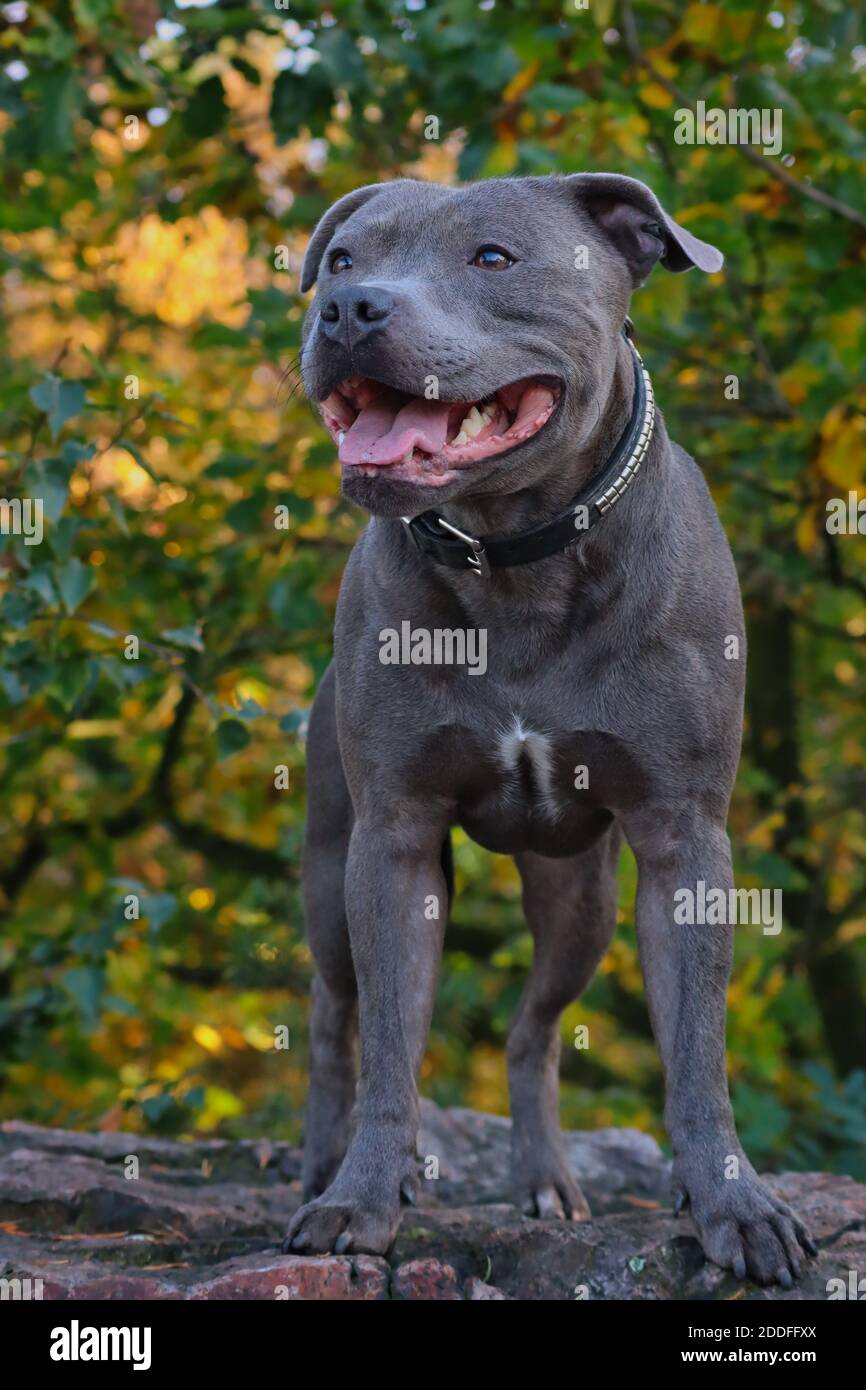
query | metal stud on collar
[623, 480]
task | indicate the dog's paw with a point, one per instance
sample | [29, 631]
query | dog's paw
[329, 1225]
[743, 1227]
[550, 1192]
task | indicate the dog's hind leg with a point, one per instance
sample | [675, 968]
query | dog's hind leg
[333, 1022]
[570, 905]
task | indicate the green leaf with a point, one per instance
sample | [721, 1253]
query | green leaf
[158, 908]
[59, 400]
[64, 535]
[39, 581]
[155, 1108]
[231, 737]
[71, 681]
[206, 109]
[74, 580]
[118, 511]
[301, 101]
[295, 721]
[247, 70]
[48, 479]
[300, 508]
[74, 451]
[250, 709]
[62, 96]
[12, 687]
[291, 607]
[339, 54]
[189, 637]
[229, 466]
[92, 13]
[86, 983]
[18, 609]
[247, 515]
[554, 96]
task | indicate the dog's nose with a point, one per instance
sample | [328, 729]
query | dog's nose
[354, 311]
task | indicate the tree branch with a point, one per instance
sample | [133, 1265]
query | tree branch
[769, 167]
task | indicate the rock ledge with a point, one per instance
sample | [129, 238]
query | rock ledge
[203, 1220]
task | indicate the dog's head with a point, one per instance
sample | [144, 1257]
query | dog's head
[460, 338]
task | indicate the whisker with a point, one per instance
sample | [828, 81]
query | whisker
[291, 374]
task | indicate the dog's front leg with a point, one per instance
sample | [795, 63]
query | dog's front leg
[741, 1224]
[396, 903]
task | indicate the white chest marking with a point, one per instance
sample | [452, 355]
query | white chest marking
[518, 742]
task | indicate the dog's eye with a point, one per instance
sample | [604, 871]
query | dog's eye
[341, 260]
[491, 258]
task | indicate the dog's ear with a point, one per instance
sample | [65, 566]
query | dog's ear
[632, 217]
[343, 208]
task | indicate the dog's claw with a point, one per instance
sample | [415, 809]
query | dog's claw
[739, 1267]
[407, 1193]
[298, 1243]
[784, 1278]
[343, 1243]
[681, 1203]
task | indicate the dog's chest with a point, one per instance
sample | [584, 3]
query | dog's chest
[528, 757]
[551, 790]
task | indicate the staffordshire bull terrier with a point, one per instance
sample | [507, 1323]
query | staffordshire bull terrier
[469, 352]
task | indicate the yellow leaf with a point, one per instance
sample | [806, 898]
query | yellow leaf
[521, 81]
[703, 24]
[807, 532]
[95, 728]
[602, 12]
[661, 62]
[842, 456]
[845, 328]
[655, 95]
[849, 931]
[762, 835]
[201, 899]
[207, 1037]
[504, 157]
[752, 202]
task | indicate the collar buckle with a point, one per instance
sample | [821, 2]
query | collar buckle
[477, 558]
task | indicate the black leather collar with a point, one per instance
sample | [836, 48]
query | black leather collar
[447, 545]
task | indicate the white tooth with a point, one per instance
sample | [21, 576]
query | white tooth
[476, 421]
[461, 438]
[341, 436]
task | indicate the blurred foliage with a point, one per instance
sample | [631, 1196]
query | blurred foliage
[162, 169]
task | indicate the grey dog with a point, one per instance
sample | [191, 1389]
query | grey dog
[466, 349]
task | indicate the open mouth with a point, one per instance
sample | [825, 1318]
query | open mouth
[378, 428]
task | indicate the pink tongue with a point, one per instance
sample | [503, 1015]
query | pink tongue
[385, 433]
